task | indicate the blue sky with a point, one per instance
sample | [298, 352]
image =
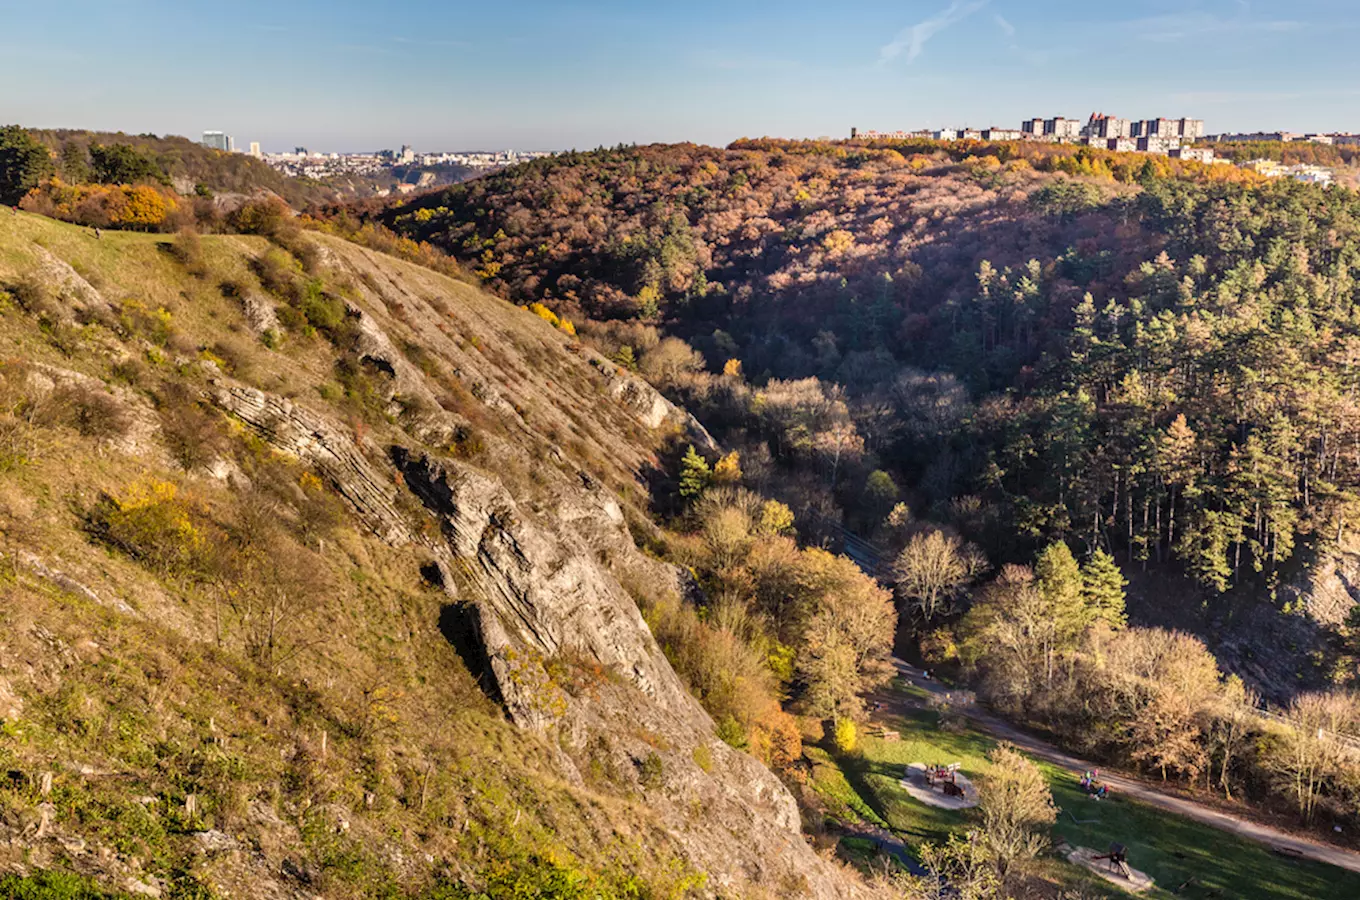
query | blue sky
[350, 75]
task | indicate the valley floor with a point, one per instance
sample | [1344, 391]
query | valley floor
[1189, 848]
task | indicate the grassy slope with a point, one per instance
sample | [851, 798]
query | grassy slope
[133, 713]
[1171, 849]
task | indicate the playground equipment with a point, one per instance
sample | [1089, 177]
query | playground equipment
[944, 787]
[945, 779]
[1118, 857]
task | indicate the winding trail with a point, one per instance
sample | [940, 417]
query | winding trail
[1245, 828]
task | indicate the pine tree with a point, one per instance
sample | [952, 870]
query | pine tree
[694, 474]
[24, 163]
[1102, 589]
[1059, 581]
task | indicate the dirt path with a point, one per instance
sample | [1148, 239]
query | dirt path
[1262, 834]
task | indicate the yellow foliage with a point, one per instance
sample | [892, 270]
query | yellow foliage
[847, 736]
[132, 206]
[838, 242]
[775, 518]
[545, 314]
[727, 470]
[551, 317]
[732, 368]
[144, 206]
[153, 524]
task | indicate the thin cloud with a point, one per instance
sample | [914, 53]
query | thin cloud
[1027, 54]
[913, 39]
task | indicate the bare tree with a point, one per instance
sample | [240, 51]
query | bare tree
[1231, 727]
[1308, 752]
[933, 571]
[1016, 807]
[959, 869]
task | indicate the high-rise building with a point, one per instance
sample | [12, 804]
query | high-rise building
[1034, 127]
[1103, 127]
[255, 149]
[1190, 129]
[407, 154]
[218, 140]
[1060, 129]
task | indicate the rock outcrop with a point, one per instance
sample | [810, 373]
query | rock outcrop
[323, 443]
[545, 604]
[78, 298]
[652, 408]
[542, 592]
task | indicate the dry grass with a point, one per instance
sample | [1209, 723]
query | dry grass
[143, 664]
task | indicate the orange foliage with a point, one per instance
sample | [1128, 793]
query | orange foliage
[775, 739]
[139, 207]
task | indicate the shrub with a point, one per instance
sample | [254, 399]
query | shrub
[93, 413]
[35, 297]
[193, 435]
[156, 326]
[264, 217]
[235, 356]
[137, 207]
[52, 885]
[730, 732]
[651, 771]
[188, 249]
[846, 736]
[703, 757]
[322, 310]
[152, 524]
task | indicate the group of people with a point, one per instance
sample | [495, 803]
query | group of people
[1094, 787]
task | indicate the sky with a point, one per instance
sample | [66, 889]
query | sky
[350, 75]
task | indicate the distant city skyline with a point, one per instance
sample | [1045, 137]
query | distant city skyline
[348, 76]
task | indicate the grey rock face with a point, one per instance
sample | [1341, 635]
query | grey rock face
[545, 593]
[331, 449]
[544, 602]
[76, 294]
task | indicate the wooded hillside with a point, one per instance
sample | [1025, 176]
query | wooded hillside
[1128, 352]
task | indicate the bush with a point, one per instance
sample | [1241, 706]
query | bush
[188, 249]
[847, 736]
[35, 297]
[322, 310]
[263, 217]
[136, 207]
[52, 886]
[152, 524]
[93, 413]
[194, 436]
[730, 732]
[651, 771]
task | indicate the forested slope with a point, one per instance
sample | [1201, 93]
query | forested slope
[1156, 361]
